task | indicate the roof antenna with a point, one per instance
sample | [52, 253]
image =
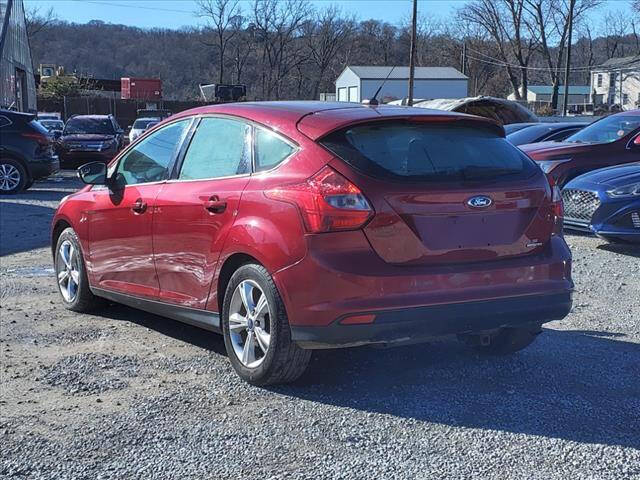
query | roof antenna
[374, 101]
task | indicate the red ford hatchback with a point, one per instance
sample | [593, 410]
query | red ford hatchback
[295, 226]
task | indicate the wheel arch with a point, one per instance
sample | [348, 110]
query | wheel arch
[60, 225]
[230, 265]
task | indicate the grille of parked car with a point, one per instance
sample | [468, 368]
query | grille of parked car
[579, 206]
[86, 146]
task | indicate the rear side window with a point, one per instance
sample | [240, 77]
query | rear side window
[428, 152]
[270, 150]
[220, 148]
[4, 121]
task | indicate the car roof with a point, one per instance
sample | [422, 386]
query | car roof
[26, 117]
[627, 112]
[315, 118]
[90, 116]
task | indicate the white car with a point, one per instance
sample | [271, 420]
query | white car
[141, 125]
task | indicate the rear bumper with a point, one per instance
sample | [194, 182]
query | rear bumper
[44, 167]
[341, 276]
[423, 323]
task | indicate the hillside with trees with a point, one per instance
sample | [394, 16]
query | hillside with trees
[289, 50]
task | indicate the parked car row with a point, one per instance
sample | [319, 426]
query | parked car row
[36, 147]
[599, 170]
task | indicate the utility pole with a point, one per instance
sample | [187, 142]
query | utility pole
[565, 101]
[464, 57]
[412, 54]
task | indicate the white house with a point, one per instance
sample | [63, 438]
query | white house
[357, 83]
[578, 94]
[617, 82]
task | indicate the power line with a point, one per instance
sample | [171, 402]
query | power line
[497, 61]
[139, 7]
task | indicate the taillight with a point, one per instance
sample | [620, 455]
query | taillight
[327, 202]
[38, 137]
[557, 207]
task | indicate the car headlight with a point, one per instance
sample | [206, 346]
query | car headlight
[548, 165]
[632, 190]
[108, 144]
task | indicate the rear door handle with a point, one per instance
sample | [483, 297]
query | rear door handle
[139, 206]
[215, 205]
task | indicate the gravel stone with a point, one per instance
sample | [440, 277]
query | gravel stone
[124, 394]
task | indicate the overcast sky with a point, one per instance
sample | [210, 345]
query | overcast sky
[177, 13]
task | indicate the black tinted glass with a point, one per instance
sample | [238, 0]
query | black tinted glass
[428, 152]
[100, 126]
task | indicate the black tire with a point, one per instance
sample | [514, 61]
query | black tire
[84, 300]
[509, 340]
[284, 361]
[7, 164]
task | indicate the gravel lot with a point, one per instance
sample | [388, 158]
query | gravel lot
[125, 394]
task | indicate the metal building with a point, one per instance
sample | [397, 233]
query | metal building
[357, 83]
[17, 83]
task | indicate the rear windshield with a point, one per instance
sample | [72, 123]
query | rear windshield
[428, 152]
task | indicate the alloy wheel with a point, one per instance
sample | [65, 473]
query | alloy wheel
[250, 323]
[9, 177]
[67, 270]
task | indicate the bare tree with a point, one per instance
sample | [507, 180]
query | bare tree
[325, 35]
[615, 26]
[221, 15]
[277, 27]
[551, 19]
[242, 46]
[508, 24]
[38, 20]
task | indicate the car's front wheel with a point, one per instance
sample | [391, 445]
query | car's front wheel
[71, 274]
[13, 176]
[256, 330]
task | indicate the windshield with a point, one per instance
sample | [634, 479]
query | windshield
[607, 130]
[89, 125]
[428, 152]
[144, 123]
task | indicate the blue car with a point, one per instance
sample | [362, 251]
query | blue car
[605, 202]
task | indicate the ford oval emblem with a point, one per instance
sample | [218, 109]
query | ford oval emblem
[481, 201]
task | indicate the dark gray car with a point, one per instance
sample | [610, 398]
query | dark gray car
[541, 132]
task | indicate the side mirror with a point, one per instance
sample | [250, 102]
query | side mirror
[94, 173]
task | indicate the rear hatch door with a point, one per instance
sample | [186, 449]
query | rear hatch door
[443, 192]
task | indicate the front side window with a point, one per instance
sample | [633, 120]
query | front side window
[220, 148]
[149, 160]
[607, 130]
[270, 150]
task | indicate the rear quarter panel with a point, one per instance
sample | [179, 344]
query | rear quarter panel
[268, 230]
